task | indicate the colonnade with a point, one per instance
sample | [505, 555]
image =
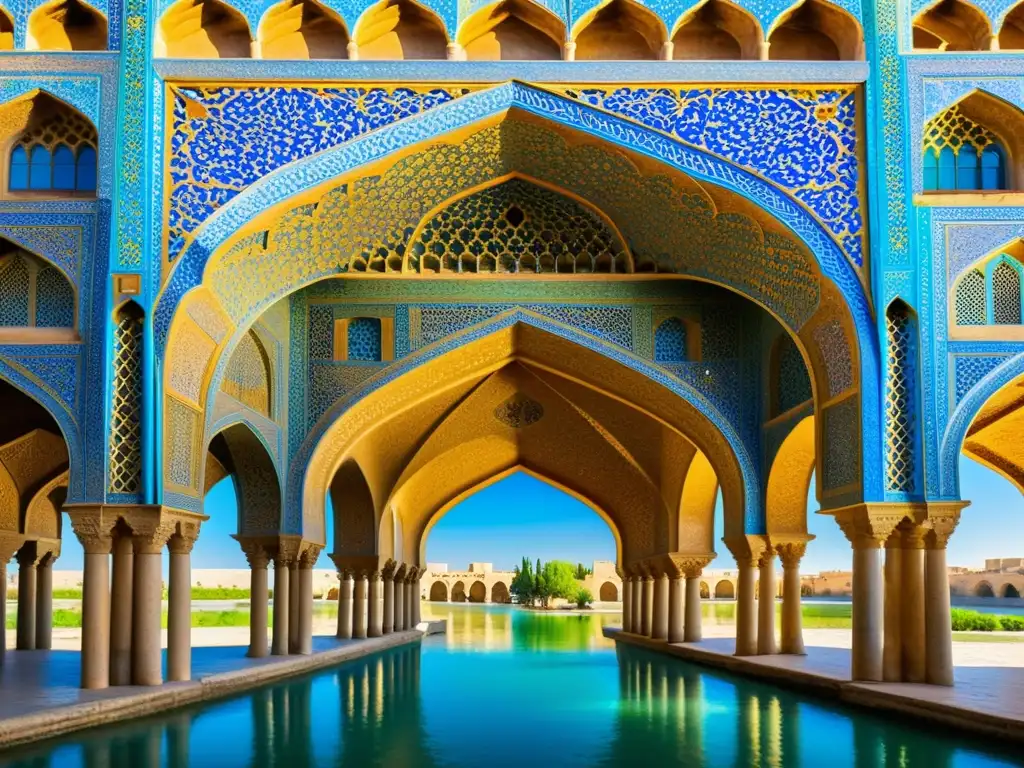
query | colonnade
[661, 596]
[374, 599]
[35, 560]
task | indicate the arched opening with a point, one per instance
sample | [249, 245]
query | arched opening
[609, 593]
[512, 30]
[674, 341]
[355, 518]
[248, 377]
[984, 589]
[438, 592]
[900, 397]
[724, 590]
[477, 592]
[1011, 34]
[126, 411]
[203, 29]
[459, 592]
[50, 149]
[500, 593]
[35, 297]
[961, 153]
[717, 29]
[1009, 590]
[952, 25]
[620, 30]
[301, 29]
[239, 454]
[816, 31]
[400, 29]
[6, 31]
[66, 25]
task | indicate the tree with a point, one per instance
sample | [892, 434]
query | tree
[582, 571]
[583, 597]
[523, 583]
[560, 580]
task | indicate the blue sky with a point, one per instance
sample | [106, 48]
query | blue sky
[523, 516]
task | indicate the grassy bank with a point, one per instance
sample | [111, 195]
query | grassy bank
[71, 618]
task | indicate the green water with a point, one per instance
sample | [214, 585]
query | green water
[510, 688]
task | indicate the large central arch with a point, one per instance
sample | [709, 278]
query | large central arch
[521, 390]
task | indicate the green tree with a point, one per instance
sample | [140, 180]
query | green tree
[560, 580]
[522, 585]
[582, 571]
[583, 597]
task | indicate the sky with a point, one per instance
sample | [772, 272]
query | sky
[521, 516]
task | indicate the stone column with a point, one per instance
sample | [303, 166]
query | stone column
[359, 606]
[943, 520]
[693, 569]
[179, 603]
[892, 620]
[259, 598]
[150, 534]
[746, 608]
[912, 628]
[293, 605]
[27, 562]
[412, 603]
[866, 526]
[282, 592]
[627, 603]
[659, 618]
[667, 50]
[646, 605]
[93, 529]
[44, 602]
[121, 608]
[345, 605]
[9, 544]
[400, 598]
[638, 604]
[375, 623]
[766, 604]
[304, 635]
[388, 574]
[791, 553]
[676, 623]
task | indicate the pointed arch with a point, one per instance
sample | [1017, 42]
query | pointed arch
[6, 30]
[43, 513]
[438, 592]
[66, 25]
[1011, 32]
[974, 145]
[788, 481]
[717, 29]
[400, 30]
[901, 406]
[34, 294]
[619, 30]
[952, 25]
[248, 377]
[816, 30]
[512, 30]
[301, 29]
[697, 507]
[125, 470]
[244, 454]
[355, 516]
[459, 592]
[203, 29]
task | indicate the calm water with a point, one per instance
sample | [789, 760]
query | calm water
[509, 688]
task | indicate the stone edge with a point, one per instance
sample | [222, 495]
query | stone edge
[861, 695]
[62, 720]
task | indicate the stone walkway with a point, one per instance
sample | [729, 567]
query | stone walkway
[985, 698]
[40, 697]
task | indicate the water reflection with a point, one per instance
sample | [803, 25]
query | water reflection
[548, 690]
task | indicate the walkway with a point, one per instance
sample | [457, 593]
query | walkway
[985, 698]
[40, 697]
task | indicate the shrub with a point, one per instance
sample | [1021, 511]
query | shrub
[973, 621]
[1012, 623]
[583, 597]
[219, 593]
[67, 593]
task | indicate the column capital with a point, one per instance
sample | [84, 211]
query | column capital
[388, 570]
[93, 524]
[747, 549]
[9, 544]
[692, 566]
[254, 550]
[941, 520]
[185, 535]
[29, 556]
[868, 526]
[791, 550]
[413, 575]
[401, 571]
[308, 556]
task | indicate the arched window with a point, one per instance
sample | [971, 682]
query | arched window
[302, 29]
[400, 29]
[816, 31]
[19, 168]
[203, 29]
[1006, 305]
[63, 168]
[85, 170]
[962, 155]
[33, 293]
[512, 30]
[66, 25]
[900, 397]
[670, 342]
[126, 409]
[970, 302]
[620, 30]
[952, 25]
[717, 30]
[40, 175]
